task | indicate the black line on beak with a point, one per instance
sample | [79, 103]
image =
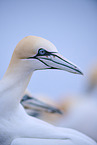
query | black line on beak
[60, 64]
[64, 60]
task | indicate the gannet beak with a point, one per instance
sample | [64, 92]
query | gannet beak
[53, 60]
[57, 61]
[33, 103]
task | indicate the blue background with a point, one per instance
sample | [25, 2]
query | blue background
[70, 24]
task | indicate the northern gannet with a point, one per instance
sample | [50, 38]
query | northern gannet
[16, 127]
[36, 107]
[44, 107]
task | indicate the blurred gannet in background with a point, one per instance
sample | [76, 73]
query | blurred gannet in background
[16, 127]
[36, 107]
[79, 113]
[92, 77]
[76, 111]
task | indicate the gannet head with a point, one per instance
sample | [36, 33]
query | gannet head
[39, 54]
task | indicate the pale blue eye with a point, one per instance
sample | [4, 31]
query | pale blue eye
[41, 51]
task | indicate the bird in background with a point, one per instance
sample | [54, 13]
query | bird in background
[92, 78]
[80, 114]
[75, 110]
[16, 127]
[35, 106]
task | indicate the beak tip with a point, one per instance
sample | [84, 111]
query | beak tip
[58, 111]
[78, 71]
[81, 73]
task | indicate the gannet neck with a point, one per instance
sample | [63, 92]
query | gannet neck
[13, 85]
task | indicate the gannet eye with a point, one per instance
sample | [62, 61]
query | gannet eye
[41, 51]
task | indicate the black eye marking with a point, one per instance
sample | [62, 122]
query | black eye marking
[43, 52]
